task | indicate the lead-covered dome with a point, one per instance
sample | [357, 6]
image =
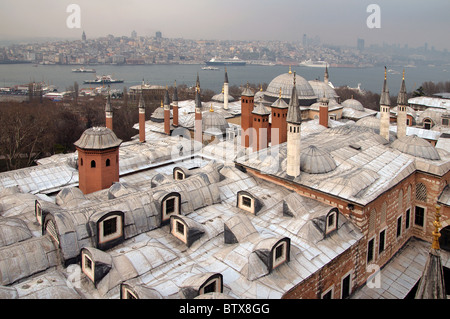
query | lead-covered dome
[323, 89]
[285, 82]
[354, 104]
[214, 122]
[316, 161]
[98, 138]
[416, 146]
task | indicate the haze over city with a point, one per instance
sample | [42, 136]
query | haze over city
[335, 22]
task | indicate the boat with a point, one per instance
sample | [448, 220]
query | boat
[83, 70]
[210, 68]
[104, 79]
[233, 61]
[314, 64]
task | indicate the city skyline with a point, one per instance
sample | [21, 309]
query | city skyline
[339, 23]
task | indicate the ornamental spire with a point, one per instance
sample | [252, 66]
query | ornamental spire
[437, 225]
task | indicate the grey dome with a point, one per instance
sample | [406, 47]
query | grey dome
[316, 161]
[98, 138]
[321, 88]
[370, 122]
[214, 122]
[416, 146]
[286, 82]
[354, 104]
[158, 115]
[221, 98]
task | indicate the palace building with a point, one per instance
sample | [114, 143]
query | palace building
[276, 194]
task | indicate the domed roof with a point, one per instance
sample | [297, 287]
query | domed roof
[416, 146]
[221, 98]
[286, 82]
[354, 104]
[214, 122]
[158, 115]
[316, 161]
[98, 138]
[321, 88]
[370, 121]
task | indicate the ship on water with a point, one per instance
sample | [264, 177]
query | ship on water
[104, 79]
[234, 61]
[83, 70]
[314, 64]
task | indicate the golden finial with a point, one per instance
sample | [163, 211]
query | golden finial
[290, 70]
[403, 74]
[223, 90]
[175, 83]
[280, 93]
[162, 105]
[211, 108]
[437, 225]
[260, 87]
[385, 73]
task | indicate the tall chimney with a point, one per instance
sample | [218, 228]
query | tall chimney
[225, 91]
[141, 119]
[323, 111]
[402, 102]
[175, 105]
[198, 130]
[109, 113]
[385, 103]
[166, 113]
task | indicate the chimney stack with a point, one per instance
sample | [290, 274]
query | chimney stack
[166, 113]
[323, 111]
[175, 105]
[141, 119]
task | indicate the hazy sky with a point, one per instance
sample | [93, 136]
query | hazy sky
[412, 22]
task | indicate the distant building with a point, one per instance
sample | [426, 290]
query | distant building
[158, 35]
[360, 44]
[83, 37]
[133, 34]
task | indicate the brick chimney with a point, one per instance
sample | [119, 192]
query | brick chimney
[323, 111]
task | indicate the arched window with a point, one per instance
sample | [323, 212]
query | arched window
[108, 163]
[331, 221]
[400, 201]
[92, 164]
[427, 123]
[170, 205]
[110, 230]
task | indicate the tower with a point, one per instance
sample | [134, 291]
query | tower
[402, 102]
[294, 121]
[279, 125]
[385, 103]
[323, 111]
[198, 134]
[108, 113]
[247, 105]
[166, 113]
[175, 105]
[83, 37]
[141, 118]
[261, 125]
[225, 91]
[326, 76]
[98, 159]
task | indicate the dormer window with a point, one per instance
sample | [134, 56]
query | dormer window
[87, 266]
[110, 230]
[212, 285]
[179, 230]
[248, 202]
[279, 255]
[178, 174]
[170, 205]
[185, 229]
[331, 222]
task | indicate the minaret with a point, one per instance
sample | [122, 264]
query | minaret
[294, 120]
[141, 118]
[109, 113]
[225, 91]
[175, 105]
[261, 125]
[198, 134]
[385, 103]
[402, 102]
[83, 37]
[323, 111]
[431, 284]
[326, 77]
[166, 112]
[247, 105]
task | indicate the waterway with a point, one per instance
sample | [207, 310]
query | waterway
[370, 78]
